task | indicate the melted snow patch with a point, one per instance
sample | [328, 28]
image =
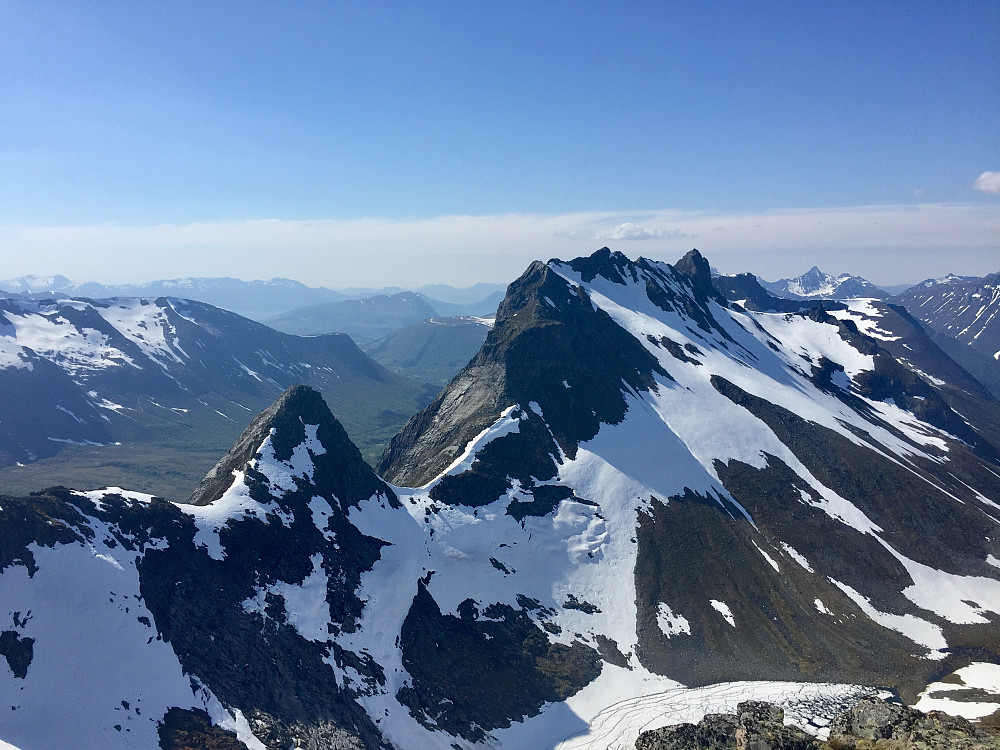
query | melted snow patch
[947, 696]
[723, 609]
[919, 631]
[809, 706]
[671, 624]
[767, 557]
[797, 557]
[958, 599]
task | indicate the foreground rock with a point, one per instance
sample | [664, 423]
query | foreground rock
[872, 723]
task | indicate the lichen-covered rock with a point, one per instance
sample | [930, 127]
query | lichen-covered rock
[761, 726]
[874, 723]
[714, 732]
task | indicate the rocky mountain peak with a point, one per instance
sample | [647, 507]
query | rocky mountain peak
[604, 263]
[339, 463]
[550, 346]
[695, 267]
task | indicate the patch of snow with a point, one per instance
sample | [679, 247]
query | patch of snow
[305, 603]
[723, 609]
[978, 676]
[797, 557]
[671, 624]
[822, 608]
[767, 557]
[919, 631]
[83, 609]
[958, 599]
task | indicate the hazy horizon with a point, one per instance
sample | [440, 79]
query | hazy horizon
[401, 145]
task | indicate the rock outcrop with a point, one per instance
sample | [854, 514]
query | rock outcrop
[871, 723]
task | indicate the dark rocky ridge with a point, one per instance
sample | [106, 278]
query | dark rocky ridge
[583, 348]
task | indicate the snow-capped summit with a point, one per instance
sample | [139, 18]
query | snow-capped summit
[815, 284]
[634, 487]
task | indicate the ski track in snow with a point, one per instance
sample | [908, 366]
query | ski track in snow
[617, 727]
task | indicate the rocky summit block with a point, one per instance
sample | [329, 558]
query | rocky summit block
[871, 724]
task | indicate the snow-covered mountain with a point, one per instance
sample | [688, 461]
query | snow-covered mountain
[965, 308]
[815, 284]
[633, 487]
[964, 314]
[80, 371]
[254, 299]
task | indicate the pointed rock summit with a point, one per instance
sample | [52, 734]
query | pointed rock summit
[284, 421]
[695, 267]
[550, 346]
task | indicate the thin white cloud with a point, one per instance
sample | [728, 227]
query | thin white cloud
[887, 244]
[631, 231]
[988, 182]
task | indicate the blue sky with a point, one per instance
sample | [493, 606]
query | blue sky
[455, 141]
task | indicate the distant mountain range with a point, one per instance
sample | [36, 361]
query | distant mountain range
[371, 318]
[262, 300]
[816, 284]
[78, 373]
[434, 350]
[964, 314]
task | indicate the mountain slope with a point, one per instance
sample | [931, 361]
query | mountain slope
[364, 320]
[183, 616]
[432, 350]
[254, 299]
[822, 447]
[966, 310]
[631, 488]
[169, 372]
[815, 284]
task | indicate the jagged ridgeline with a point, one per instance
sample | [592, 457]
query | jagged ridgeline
[637, 483]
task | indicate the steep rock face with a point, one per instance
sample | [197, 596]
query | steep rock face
[578, 383]
[749, 515]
